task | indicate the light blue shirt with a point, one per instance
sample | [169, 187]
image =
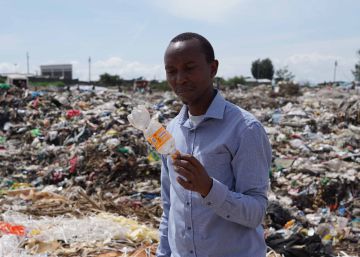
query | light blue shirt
[235, 151]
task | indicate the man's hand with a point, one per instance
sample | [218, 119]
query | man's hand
[196, 177]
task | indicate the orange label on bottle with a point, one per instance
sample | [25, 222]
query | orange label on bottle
[159, 138]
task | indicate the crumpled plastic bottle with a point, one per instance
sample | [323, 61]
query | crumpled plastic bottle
[153, 131]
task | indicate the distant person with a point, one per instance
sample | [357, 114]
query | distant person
[214, 192]
[22, 84]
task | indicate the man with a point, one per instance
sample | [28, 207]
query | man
[214, 191]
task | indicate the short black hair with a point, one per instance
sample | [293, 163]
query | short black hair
[204, 43]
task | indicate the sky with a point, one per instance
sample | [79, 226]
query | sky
[128, 38]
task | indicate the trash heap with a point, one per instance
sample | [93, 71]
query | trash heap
[71, 157]
[79, 143]
[314, 207]
[69, 137]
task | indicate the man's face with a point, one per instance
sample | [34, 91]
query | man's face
[188, 72]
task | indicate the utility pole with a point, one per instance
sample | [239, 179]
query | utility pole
[335, 71]
[27, 63]
[89, 69]
[90, 73]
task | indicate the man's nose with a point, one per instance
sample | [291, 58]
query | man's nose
[181, 77]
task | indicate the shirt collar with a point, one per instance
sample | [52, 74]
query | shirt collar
[215, 110]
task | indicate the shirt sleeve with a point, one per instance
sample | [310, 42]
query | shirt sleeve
[163, 249]
[246, 205]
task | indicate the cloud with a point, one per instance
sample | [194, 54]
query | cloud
[311, 58]
[318, 67]
[6, 67]
[306, 66]
[203, 10]
[116, 65]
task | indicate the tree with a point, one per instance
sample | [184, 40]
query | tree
[356, 72]
[231, 83]
[255, 68]
[268, 69]
[105, 79]
[262, 69]
[235, 81]
[110, 80]
[284, 75]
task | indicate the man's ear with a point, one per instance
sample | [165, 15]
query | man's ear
[214, 67]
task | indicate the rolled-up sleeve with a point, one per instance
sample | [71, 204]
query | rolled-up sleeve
[246, 204]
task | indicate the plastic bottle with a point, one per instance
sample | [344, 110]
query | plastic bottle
[153, 131]
[277, 116]
[342, 209]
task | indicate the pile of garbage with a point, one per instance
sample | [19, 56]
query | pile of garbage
[52, 138]
[314, 198]
[71, 157]
[79, 143]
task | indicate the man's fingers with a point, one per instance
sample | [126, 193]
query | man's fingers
[176, 155]
[183, 163]
[191, 159]
[185, 184]
[184, 172]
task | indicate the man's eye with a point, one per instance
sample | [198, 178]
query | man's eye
[170, 72]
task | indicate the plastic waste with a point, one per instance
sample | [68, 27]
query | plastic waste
[36, 103]
[73, 162]
[341, 222]
[326, 231]
[36, 94]
[125, 150]
[112, 143]
[276, 117]
[2, 140]
[5, 86]
[8, 228]
[10, 247]
[35, 132]
[72, 113]
[153, 131]
[299, 144]
[53, 135]
[342, 209]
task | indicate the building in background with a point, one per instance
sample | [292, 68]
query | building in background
[57, 71]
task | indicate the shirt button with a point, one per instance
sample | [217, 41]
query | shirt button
[188, 228]
[191, 251]
[228, 216]
[187, 203]
[208, 203]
